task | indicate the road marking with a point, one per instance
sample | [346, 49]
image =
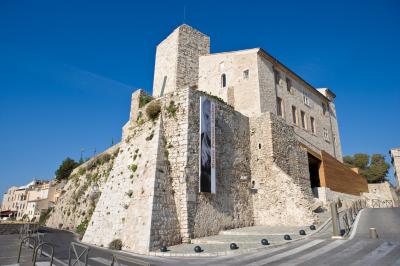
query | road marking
[287, 253]
[376, 254]
[314, 253]
[355, 225]
[239, 257]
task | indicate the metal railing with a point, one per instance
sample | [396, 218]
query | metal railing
[25, 240]
[343, 226]
[84, 252]
[40, 246]
[378, 203]
[117, 259]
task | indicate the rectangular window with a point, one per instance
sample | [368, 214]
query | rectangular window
[246, 74]
[294, 115]
[303, 120]
[277, 77]
[326, 135]
[288, 85]
[312, 122]
[279, 107]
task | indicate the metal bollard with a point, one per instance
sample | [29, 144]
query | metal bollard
[335, 221]
[373, 233]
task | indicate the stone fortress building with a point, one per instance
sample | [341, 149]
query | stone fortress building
[277, 151]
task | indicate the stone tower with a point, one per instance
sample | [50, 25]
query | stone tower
[177, 60]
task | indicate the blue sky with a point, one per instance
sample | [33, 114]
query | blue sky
[68, 68]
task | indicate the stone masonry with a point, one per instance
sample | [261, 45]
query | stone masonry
[149, 188]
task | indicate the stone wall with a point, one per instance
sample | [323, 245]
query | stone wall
[125, 206]
[10, 228]
[282, 190]
[239, 91]
[79, 196]
[230, 207]
[177, 59]
[382, 191]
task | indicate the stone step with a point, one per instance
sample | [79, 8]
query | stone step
[248, 239]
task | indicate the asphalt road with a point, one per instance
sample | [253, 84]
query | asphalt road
[316, 250]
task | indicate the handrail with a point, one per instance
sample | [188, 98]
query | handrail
[117, 257]
[85, 252]
[41, 248]
[22, 241]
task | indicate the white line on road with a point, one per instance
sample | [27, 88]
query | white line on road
[314, 253]
[376, 254]
[238, 258]
[355, 225]
[287, 253]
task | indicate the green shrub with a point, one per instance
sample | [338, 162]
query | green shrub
[104, 158]
[133, 167]
[65, 169]
[139, 116]
[144, 99]
[153, 110]
[82, 171]
[81, 228]
[172, 108]
[116, 244]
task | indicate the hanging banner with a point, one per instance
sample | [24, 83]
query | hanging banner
[207, 146]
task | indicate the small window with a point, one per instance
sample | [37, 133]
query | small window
[312, 122]
[223, 81]
[323, 108]
[279, 107]
[246, 74]
[294, 115]
[306, 99]
[303, 120]
[288, 85]
[259, 145]
[326, 135]
[277, 77]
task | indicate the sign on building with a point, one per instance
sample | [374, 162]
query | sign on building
[207, 146]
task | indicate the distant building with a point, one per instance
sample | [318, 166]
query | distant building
[395, 154]
[29, 201]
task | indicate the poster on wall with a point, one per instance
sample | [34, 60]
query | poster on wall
[207, 146]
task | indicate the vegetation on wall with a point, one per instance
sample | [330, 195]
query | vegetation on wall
[65, 169]
[172, 108]
[373, 168]
[44, 216]
[81, 228]
[153, 110]
[116, 244]
[144, 99]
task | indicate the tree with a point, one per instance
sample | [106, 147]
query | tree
[374, 170]
[65, 169]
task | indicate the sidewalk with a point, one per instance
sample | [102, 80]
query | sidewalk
[247, 239]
